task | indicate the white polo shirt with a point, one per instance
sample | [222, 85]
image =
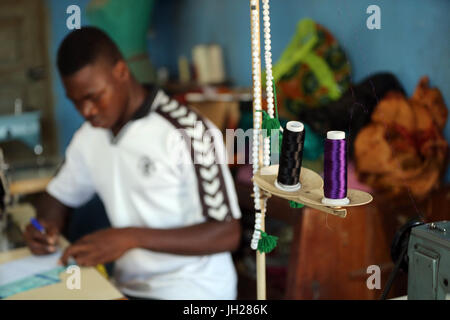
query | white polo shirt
[146, 177]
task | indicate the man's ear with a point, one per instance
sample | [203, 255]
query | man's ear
[121, 71]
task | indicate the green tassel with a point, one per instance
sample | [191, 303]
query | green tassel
[295, 205]
[269, 123]
[267, 242]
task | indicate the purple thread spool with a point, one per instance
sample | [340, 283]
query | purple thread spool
[335, 169]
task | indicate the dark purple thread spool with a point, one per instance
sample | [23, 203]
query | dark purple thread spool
[335, 169]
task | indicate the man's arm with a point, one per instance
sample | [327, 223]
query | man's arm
[70, 188]
[52, 215]
[50, 209]
[205, 238]
[108, 245]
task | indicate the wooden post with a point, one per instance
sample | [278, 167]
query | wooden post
[261, 267]
[260, 257]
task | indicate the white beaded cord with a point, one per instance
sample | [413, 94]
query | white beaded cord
[270, 107]
[256, 72]
[269, 77]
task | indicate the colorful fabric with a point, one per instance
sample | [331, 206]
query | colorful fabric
[403, 151]
[312, 71]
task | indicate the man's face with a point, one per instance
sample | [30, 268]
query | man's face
[99, 92]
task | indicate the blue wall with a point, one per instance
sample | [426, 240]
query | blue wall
[68, 120]
[413, 40]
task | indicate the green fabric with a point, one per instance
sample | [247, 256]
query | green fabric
[299, 50]
[267, 242]
[142, 69]
[313, 147]
[246, 120]
[323, 72]
[126, 22]
[302, 43]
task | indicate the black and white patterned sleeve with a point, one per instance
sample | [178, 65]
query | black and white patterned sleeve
[207, 152]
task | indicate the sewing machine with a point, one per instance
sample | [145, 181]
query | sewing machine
[422, 250]
[10, 233]
[22, 125]
[4, 201]
[429, 262]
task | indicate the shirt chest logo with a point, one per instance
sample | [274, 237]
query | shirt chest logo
[146, 166]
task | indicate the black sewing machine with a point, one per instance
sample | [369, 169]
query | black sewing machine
[423, 251]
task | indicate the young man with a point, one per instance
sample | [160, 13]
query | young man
[174, 222]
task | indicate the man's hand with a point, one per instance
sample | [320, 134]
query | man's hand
[42, 243]
[99, 247]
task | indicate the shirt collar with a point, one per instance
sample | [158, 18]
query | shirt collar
[146, 105]
[143, 110]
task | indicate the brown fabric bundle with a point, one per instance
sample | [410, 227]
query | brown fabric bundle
[403, 146]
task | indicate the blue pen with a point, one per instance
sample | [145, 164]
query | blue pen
[37, 225]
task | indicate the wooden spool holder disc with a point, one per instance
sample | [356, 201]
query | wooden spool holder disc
[311, 192]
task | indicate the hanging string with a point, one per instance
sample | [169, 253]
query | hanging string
[335, 169]
[272, 124]
[269, 124]
[275, 97]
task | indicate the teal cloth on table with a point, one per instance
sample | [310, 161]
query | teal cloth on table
[32, 282]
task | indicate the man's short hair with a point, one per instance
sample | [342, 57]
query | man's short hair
[84, 46]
